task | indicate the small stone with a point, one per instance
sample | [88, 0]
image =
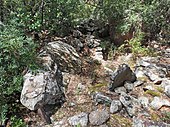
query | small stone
[144, 101]
[130, 104]
[138, 123]
[81, 119]
[167, 90]
[138, 83]
[155, 73]
[148, 87]
[62, 123]
[77, 33]
[71, 104]
[157, 103]
[120, 90]
[129, 86]
[98, 117]
[80, 86]
[116, 106]
[104, 125]
[143, 62]
[139, 72]
[98, 49]
[165, 82]
[101, 99]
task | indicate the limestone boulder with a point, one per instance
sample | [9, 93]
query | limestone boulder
[65, 56]
[42, 89]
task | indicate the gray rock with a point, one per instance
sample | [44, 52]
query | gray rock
[65, 56]
[167, 53]
[81, 119]
[91, 42]
[102, 99]
[120, 90]
[66, 79]
[144, 101]
[139, 72]
[98, 49]
[77, 33]
[46, 60]
[157, 103]
[77, 44]
[146, 61]
[104, 125]
[81, 87]
[62, 123]
[116, 106]
[155, 73]
[122, 74]
[41, 89]
[138, 123]
[138, 83]
[98, 117]
[129, 86]
[130, 103]
[148, 87]
[167, 90]
[165, 82]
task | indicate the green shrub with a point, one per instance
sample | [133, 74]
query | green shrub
[16, 122]
[17, 54]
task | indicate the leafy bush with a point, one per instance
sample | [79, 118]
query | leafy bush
[54, 15]
[17, 53]
[151, 17]
[15, 122]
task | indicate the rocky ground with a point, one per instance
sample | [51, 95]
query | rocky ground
[118, 92]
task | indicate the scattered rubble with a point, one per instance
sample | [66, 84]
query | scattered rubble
[128, 95]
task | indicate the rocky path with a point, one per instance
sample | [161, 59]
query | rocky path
[75, 89]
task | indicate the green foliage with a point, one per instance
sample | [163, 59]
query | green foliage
[78, 125]
[16, 122]
[151, 16]
[166, 117]
[3, 113]
[54, 15]
[17, 53]
[137, 48]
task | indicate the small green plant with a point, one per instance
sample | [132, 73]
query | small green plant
[166, 117]
[136, 46]
[78, 125]
[3, 113]
[17, 122]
